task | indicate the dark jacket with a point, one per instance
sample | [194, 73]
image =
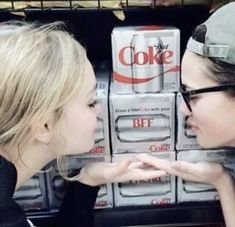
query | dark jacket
[76, 209]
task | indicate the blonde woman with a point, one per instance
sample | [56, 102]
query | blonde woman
[48, 110]
[208, 91]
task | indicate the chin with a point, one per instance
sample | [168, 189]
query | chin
[205, 144]
[82, 150]
[92, 144]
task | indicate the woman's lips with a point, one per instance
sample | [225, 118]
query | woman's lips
[193, 128]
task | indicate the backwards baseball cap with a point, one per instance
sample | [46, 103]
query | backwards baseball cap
[219, 37]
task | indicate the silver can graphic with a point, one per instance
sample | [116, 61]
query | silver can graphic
[152, 187]
[187, 129]
[30, 190]
[147, 63]
[58, 187]
[103, 191]
[143, 128]
[195, 187]
[99, 130]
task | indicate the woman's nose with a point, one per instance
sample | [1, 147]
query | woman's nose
[98, 109]
[183, 108]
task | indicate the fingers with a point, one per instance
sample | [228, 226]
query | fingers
[133, 170]
[185, 170]
[149, 174]
[139, 174]
[123, 165]
[155, 162]
[136, 164]
[169, 166]
[183, 166]
[193, 169]
[145, 167]
[117, 169]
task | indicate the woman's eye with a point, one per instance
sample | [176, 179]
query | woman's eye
[93, 104]
[194, 98]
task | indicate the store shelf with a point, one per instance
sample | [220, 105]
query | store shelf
[92, 26]
[185, 214]
[18, 5]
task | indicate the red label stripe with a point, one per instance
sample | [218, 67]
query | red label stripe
[129, 80]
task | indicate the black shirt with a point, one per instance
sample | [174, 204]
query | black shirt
[11, 214]
[76, 209]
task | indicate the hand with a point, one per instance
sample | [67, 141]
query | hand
[98, 173]
[204, 172]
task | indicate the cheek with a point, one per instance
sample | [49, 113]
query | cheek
[87, 121]
[81, 122]
[207, 122]
[210, 130]
[214, 123]
[80, 132]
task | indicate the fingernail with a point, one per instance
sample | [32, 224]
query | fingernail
[174, 164]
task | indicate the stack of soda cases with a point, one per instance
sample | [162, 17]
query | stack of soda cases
[139, 112]
[145, 77]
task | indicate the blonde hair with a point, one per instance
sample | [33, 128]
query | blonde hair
[41, 68]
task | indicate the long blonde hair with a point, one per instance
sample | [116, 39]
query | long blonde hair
[41, 68]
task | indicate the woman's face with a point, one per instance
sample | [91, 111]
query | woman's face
[213, 114]
[78, 120]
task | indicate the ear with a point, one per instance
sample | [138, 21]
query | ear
[43, 133]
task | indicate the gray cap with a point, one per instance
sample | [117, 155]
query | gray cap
[220, 36]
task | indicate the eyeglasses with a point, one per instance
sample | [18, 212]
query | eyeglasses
[187, 94]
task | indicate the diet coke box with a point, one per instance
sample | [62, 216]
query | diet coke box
[57, 185]
[194, 191]
[101, 146]
[32, 194]
[146, 59]
[157, 191]
[142, 122]
[186, 138]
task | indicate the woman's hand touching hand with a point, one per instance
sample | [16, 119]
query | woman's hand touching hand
[204, 172]
[98, 173]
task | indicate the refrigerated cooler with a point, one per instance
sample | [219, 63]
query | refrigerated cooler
[92, 22]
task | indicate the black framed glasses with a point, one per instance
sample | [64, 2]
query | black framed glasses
[186, 95]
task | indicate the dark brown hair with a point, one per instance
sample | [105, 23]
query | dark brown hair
[223, 73]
